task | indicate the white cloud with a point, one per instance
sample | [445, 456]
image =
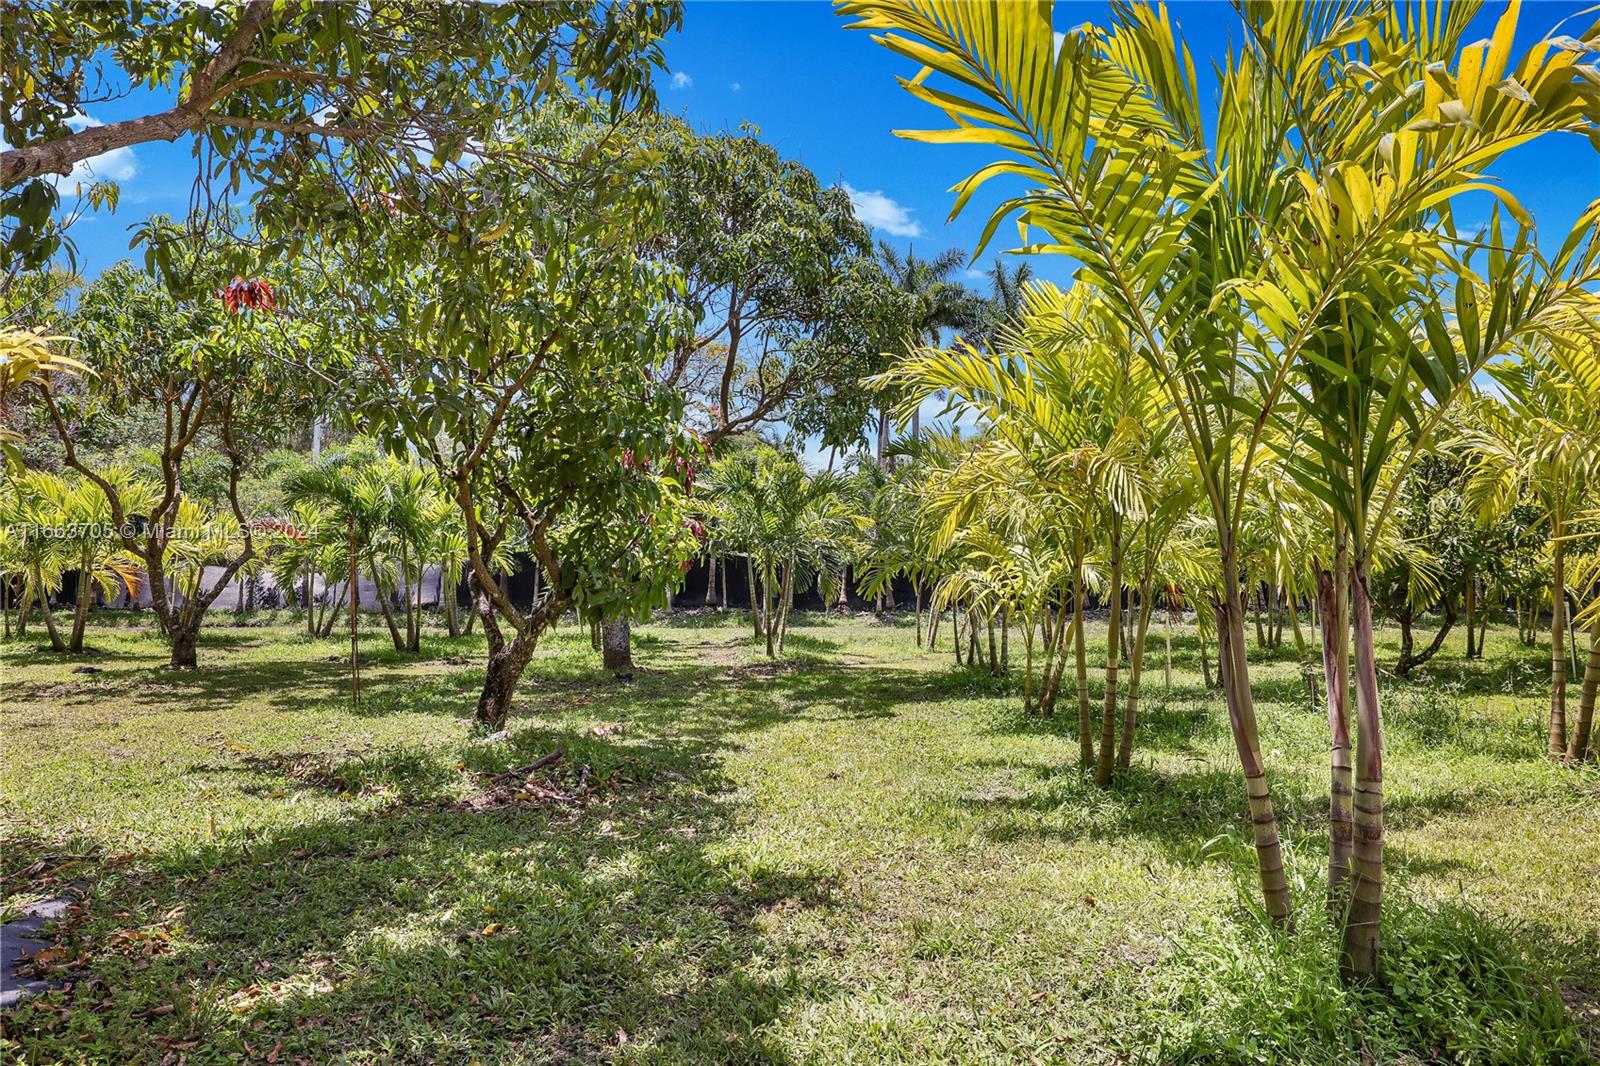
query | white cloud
[680, 80]
[881, 212]
[736, 87]
[118, 164]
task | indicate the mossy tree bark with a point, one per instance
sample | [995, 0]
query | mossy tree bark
[616, 643]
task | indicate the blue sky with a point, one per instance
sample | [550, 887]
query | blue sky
[829, 99]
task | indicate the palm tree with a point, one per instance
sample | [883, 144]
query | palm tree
[1309, 240]
[790, 526]
[1067, 398]
[939, 302]
[1542, 442]
[1005, 302]
[391, 506]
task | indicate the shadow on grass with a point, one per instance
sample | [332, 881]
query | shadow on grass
[568, 928]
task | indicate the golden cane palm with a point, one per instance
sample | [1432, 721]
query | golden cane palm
[1542, 440]
[1070, 397]
[1240, 268]
[27, 356]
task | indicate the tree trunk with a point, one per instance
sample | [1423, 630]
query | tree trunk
[1085, 723]
[447, 596]
[755, 606]
[1362, 931]
[1409, 662]
[1472, 607]
[1558, 651]
[1335, 667]
[1005, 637]
[1108, 720]
[711, 579]
[407, 597]
[1578, 746]
[994, 651]
[80, 612]
[184, 636]
[56, 643]
[1130, 712]
[785, 602]
[1166, 628]
[766, 610]
[616, 642]
[388, 616]
[311, 624]
[1246, 737]
[506, 664]
[916, 590]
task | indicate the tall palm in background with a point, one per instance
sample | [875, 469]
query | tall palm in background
[940, 303]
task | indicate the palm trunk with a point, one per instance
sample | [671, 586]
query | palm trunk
[785, 602]
[755, 605]
[1246, 737]
[766, 609]
[411, 621]
[49, 616]
[1085, 724]
[447, 594]
[80, 613]
[1166, 627]
[1578, 746]
[1027, 667]
[1558, 651]
[1005, 637]
[1335, 666]
[1472, 607]
[1130, 712]
[916, 591]
[1055, 662]
[388, 615]
[994, 653]
[1108, 719]
[711, 580]
[1362, 931]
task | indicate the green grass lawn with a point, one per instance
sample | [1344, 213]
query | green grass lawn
[857, 854]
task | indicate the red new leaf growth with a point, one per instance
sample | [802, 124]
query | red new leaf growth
[254, 294]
